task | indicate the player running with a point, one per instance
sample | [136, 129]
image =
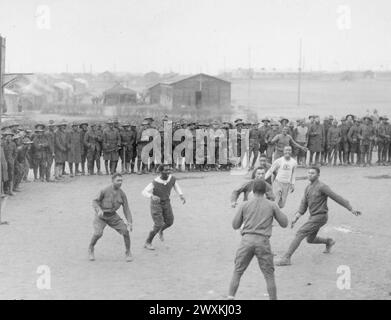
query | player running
[285, 178]
[255, 218]
[315, 200]
[106, 204]
[161, 211]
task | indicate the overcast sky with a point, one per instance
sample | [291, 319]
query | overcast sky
[190, 36]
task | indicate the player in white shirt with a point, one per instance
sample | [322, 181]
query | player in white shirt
[286, 176]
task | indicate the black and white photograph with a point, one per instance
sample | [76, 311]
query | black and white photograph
[195, 150]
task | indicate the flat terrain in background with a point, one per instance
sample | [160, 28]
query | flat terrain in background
[51, 224]
[278, 97]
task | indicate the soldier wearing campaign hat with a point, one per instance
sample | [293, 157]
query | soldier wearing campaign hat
[60, 149]
[354, 140]
[367, 137]
[9, 149]
[128, 138]
[111, 141]
[384, 138]
[50, 134]
[40, 151]
[83, 130]
[74, 147]
[93, 144]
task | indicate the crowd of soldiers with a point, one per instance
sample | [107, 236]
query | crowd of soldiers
[47, 148]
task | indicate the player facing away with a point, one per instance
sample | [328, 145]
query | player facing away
[106, 205]
[161, 211]
[315, 200]
[256, 218]
[285, 178]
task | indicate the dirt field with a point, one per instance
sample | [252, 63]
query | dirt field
[51, 224]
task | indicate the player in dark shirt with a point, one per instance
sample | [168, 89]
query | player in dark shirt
[315, 200]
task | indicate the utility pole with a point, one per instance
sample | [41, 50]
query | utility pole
[249, 77]
[299, 76]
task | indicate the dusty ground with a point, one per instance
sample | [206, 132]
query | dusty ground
[50, 224]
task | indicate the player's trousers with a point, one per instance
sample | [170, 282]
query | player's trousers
[281, 191]
[259, 246]
[309, 230]
[162, 216]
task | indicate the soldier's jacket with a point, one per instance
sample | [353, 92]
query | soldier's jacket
[354, 134]
[82, 135]
[111, 140]
[21, 154]
[316, 137]
[128, 137]
[92, 141]
[50, 136]
[344, 132]
[9, 148]
[383, 132]
[366, 134]
[262, 134]
[326, 126]
[41, 147]
[333, 135]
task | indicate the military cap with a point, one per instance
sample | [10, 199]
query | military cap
[83, 123]
[40, 125]
[7, 132]
[367, 117]
[352, 115]
[383, 118]
[51, 123]
[145, 122]
[149, 119]
[238, 120]
[284, 119]
[61, 124]
[265, 120]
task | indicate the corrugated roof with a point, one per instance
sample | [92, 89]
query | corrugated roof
[176, 79]
[119, 89]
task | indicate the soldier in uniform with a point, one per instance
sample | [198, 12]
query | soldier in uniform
[21, 153]
[60, 150]
[127, 140]
[50, 134]
[366, 136]
[263, 130]
[133, 128]
[140, 145]
[300, 135]
[269, 137]
[111, 144]
[4, 167]
[9, 148]
[315, 140]
[74, 146]
[93, 146]
[41, 149]
[354, 141]
[333, 142]
[83, 130]
[255, 138]
[344, 144]
[327, 123]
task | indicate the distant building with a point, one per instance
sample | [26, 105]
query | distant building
[119, 95]
[198, 91]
